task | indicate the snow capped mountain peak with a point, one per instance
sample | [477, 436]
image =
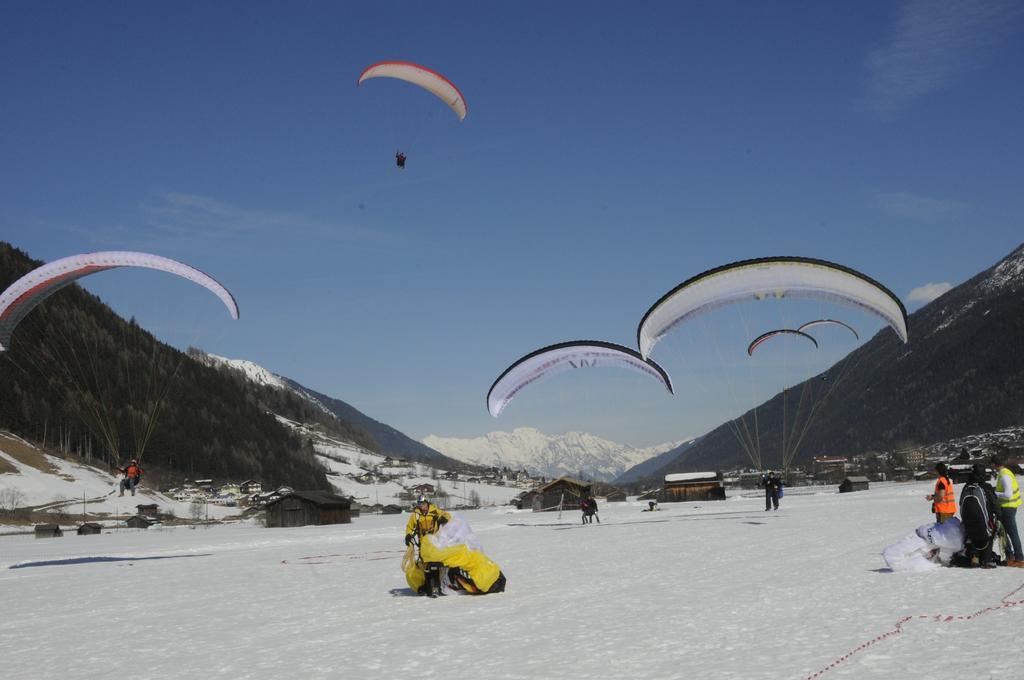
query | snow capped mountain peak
[252, 371]
[1007, 274]
[571, 454]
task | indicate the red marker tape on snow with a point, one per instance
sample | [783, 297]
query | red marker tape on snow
[1004, 603]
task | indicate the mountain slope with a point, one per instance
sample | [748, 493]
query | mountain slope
[384, 438]
[79, 378]
[962, 372]
[573, 454]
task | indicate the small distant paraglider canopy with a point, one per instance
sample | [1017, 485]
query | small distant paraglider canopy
[769, 277]
[429, 80]
[825, 322]
[31, 289]
[564, 356]
[759, 340]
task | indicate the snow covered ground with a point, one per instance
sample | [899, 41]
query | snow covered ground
[697, 590]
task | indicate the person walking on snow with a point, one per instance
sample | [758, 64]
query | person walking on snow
[771, 484]
[1008, 494]
[943, 500]
[132, 476]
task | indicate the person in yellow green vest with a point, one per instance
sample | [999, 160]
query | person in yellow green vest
[943, 500]
[1008, 494]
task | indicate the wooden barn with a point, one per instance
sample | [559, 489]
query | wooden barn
[615, 496]
[391, 509]
[137, 522]
[48, 531]
[90, 528]
[303, 508]
[149, 510]
[853, 484]
[563, 493]
[693, 486]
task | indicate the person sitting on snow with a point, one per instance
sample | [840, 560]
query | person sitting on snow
[132, 476]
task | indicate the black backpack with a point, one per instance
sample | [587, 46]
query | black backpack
[977, 514]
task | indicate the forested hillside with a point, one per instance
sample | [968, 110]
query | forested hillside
[80, 379]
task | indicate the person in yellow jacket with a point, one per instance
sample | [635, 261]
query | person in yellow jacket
[1008, 495]
[426, 518]
[943, 500]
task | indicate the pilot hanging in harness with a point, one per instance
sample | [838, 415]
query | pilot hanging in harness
[400, 159]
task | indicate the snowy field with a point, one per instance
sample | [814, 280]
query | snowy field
[698, 590]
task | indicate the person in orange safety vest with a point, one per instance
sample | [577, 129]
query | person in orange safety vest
[943, 500]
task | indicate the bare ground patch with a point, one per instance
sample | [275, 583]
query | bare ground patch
[24, 453]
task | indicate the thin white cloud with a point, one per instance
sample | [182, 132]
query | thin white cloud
[928, 292]
[931, 46]
[915, 206]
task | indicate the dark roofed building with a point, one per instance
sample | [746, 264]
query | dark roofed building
[89, 528]
[563, 493]
[48, 531]
[854, 484]
[137, 522]
[693, 486]
[304, 508]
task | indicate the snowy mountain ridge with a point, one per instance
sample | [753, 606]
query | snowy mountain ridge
[551, 456]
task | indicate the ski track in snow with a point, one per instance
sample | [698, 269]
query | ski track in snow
[697, 590]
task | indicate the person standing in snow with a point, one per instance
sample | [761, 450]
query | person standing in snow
[771, 484]
[978, 512]
[1008, 495]
[589, 507]
[426, 518]
[943, 500]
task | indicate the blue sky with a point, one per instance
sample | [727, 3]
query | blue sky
[610, 152]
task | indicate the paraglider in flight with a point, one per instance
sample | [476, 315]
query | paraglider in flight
[31, 289]
[769, 277]
[562, 357]
[771, 334]
[429, 80]
[811, 324]
[400, 159]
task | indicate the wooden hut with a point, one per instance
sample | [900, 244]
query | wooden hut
[693, 486]
[853, 484]
[89, 528]
[149, 510]
[137, 522]
[563, 493]
[48, 531]
[615, 496]
[303, 508]
[391, 509]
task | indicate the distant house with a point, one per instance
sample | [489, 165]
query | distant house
[615, 496]
[249, 487]
[693, 486]
[427, 489]
[137, 522]
[391, 509]
[89, 528]
[147, 510]
[304, 508]
[48, 531]
[563, 493]
[828, 468]
[854, 484]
